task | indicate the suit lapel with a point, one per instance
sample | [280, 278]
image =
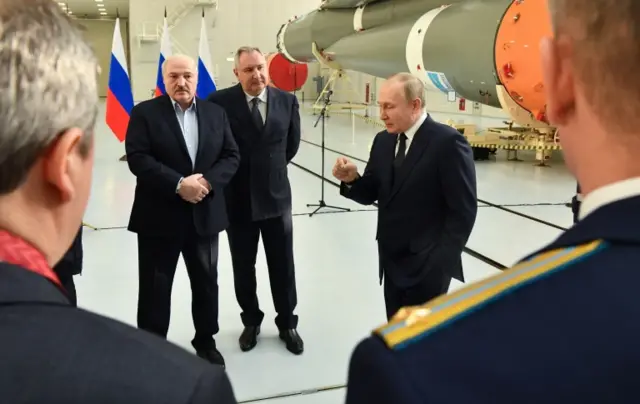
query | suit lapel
[202, 129]
[170, 117]
[271, 107]
[417, 147]
[241, 98]
[388, 153]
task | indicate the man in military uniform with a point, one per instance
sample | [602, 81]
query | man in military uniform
[562, 325]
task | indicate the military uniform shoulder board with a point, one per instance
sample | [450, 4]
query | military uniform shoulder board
[414, 323]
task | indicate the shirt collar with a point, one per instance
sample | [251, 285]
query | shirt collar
[609, 194]
[176, 105]
[411, 132]
[262, 96]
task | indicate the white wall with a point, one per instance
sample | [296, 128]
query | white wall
[99, 33]
[234, 24]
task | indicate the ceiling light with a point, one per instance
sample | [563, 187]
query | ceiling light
[103, 13]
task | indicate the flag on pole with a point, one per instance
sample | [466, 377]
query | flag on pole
[119, 94]
[165, 52]
[206, 85]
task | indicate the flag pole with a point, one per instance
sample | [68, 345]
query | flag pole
[124, 156]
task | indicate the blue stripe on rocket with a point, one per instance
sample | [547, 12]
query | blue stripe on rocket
[440, 82]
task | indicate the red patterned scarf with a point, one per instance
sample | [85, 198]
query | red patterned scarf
[16, 251]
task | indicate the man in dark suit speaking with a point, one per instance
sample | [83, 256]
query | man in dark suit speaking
[266, 124]
[183, 154]
[423, 176]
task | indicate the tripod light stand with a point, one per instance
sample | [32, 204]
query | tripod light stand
[322, 204]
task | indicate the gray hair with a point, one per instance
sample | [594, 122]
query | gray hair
[178, 57]
[244, 49]
[413, 87]
[48, 85]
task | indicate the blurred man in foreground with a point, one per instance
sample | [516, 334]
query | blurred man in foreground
[560, 326]
[51, 351]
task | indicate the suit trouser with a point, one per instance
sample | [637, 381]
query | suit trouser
[434, 284]
[277, 238]
[69, 287]
[157, 261]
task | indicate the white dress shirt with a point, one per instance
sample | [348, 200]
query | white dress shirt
[188, 120]
[609, 194]
[411, 132]
[262, 103]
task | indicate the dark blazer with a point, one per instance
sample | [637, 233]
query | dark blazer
[157, 155]
[71, 262]
[426, 216]
[261, 189]
[54, 353]
[559, 327]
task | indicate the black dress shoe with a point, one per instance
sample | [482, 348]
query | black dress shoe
[249, 338]
[293, 341]
[213, 356]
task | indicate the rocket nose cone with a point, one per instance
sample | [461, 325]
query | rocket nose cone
[517, 54]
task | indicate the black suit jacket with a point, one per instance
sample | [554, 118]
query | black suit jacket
[71, 262]
[261, 189]
[55, 353]
[426, 216]
[157, 155]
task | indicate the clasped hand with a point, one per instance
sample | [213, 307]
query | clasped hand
[344, 170]
[194, 188]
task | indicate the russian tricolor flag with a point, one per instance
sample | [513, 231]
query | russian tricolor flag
[206, 85]
[119, 95]
[165, 52]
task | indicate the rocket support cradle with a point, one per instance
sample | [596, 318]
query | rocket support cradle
[486, 51]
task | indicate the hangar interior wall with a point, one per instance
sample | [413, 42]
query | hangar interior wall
[233, 23]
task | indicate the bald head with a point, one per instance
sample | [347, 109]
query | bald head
[178, 59]
[401, 101]
[602, 40]
[412, 87]
[180, 78]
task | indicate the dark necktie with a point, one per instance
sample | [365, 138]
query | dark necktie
[402, 150]
[401, 154]
[255, 113]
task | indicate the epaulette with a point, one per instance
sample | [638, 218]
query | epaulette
[411, 324]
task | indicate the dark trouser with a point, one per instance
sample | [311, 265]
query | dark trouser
[434, 284]
[277, 238]
[69, 287]
[575, 205]
[575, 209]
[157, 261]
